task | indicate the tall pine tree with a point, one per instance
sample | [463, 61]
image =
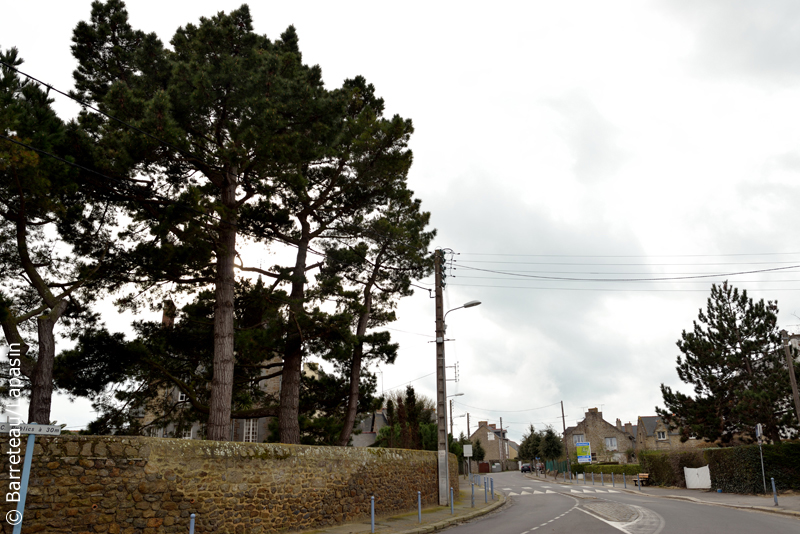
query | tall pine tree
[734, 361]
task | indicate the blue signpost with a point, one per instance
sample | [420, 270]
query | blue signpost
[32, 430]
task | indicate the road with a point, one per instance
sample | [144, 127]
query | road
[537, 506]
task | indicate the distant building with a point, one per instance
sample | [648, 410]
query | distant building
[656, 435]
[493, 441]
[609, 443]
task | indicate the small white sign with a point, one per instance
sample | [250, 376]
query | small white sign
[467, 451]
[39, 430]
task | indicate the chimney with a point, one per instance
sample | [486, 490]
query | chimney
[482, 423]
[619, 424]
[629, 428]
[167, 313]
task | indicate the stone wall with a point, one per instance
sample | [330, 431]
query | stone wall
[138, 485]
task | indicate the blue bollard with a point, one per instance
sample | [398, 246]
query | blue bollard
[372, 512]
[451, 500]
[624, 481]
[592, 478]
[774, 492]
[638, 482]
[602, 482]
[473, 495]
[485, 493]
[419, 506]
[191, 524]
[492, 482]
[612, 480]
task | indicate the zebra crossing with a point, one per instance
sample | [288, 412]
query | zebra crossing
[524, 491]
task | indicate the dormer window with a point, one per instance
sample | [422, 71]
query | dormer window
[661, 435]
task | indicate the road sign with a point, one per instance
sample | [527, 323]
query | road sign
[38, 430]
[584, 452]
[467, 451]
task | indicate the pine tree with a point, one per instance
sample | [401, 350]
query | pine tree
[734, 361]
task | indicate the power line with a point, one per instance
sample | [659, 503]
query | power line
[420, 378]
[673, 278]
[608, 289]
[507, 411]
[630, 256]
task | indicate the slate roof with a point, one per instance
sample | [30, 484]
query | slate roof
[650, 423]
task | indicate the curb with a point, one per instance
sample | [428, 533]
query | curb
[433, 527]
[788, 513]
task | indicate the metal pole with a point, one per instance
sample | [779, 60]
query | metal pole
[451, 500]
[23, 489]
[191, 524]
[491, 481]
[774, 492]
[592, 478]
[763, 476]
[624, 481]
[602, 482]
[372, 512]
[564, 424]
[638, 482]
[473, 494]
[441, 385]
[419, 506]
[485, 492]
[612, 479]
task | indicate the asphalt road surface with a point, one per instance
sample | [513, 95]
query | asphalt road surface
[537, 506]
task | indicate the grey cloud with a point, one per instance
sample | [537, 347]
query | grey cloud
[592, 138]
[746, 37]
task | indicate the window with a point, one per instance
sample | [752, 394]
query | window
[181, 396]
[661, 435]
[187, 434]
[611, 444]
[251, 430]
[576, 438]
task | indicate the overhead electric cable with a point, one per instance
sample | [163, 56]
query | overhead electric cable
[561, 278]
[507, 411]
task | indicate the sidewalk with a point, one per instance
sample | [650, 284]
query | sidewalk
[433, 518]
[787, 504]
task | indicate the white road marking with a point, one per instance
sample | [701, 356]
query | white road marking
[525, 493]
[526, 487]
[617, 526]
[513, 494]
[507, 489]
[538, 493]
[612, 491]
[575, 491]
[548, 491]
[588, 491]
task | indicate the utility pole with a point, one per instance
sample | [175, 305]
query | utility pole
[468, 434]
[790, 364]
[502, 447]
[441, 384]
[564, 437]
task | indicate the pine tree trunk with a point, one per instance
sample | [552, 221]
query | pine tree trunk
[219, 417]
[42, 379]
[288, 422]
[355, 370]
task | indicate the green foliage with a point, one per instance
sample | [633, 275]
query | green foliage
[733, 469]
[409, 423]
[734, 359]
[529, 448]
[551, 447]
[478, 452]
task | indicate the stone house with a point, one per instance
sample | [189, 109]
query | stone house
[609, 443]
[370, 426]
[492, 439]
[655, 435]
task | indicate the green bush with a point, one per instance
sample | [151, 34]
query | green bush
[617, 469]
[738, 469]
[733, 469]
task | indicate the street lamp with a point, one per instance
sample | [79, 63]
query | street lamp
[441, 388]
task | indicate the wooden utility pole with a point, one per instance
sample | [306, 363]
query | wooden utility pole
[790, 364]
[441, 384]
[564, 436]
[502, 447]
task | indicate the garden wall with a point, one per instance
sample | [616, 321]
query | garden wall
[138, 485]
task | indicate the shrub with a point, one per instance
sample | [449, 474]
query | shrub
[617, 469]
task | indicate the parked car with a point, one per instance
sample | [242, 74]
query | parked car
[526, 468]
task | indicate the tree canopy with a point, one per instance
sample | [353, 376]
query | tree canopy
[733, 359]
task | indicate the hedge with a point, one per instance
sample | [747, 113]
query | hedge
[617, 469]
[733, 469]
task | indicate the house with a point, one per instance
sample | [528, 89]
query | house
[370, 426]
[492, 439]
[655, 435]
[609, 443]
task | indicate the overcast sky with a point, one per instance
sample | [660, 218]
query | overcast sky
[588, 140]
